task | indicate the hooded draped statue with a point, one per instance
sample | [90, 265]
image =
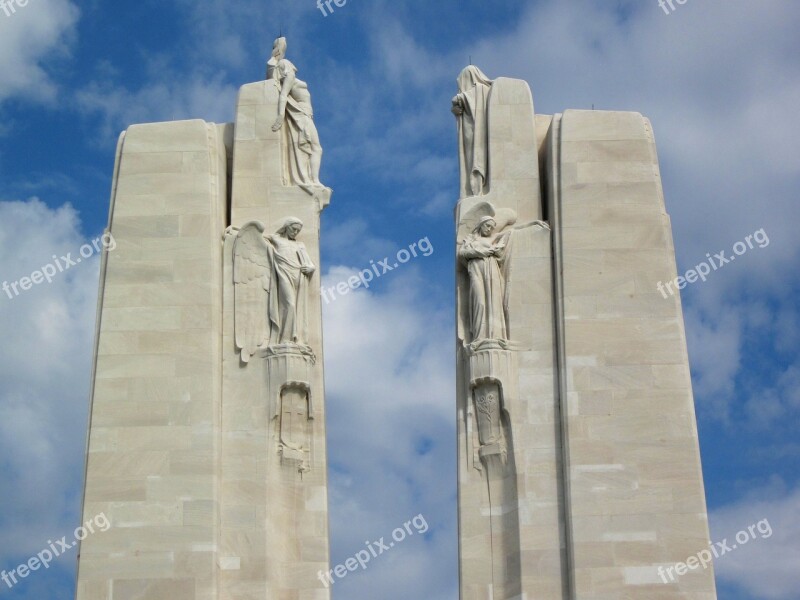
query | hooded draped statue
[470, 107]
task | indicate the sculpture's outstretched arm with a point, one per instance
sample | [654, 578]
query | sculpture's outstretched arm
[537, 223]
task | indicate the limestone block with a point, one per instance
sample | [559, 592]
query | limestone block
[153, 469]
[509, 516]
[626, 376]
[273, 476]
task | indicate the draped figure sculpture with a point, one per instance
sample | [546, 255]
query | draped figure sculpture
[470, 107]
[271, 276]
[302, 148]
[486, 258]
[485, 249]
[271, 279]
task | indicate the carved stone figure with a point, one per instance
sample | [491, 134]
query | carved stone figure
[486, 254]
[293, 268]
[271, 277]
[303, 151]
[470, 107]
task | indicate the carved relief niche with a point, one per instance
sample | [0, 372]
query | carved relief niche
[294, 426]
[271, 294]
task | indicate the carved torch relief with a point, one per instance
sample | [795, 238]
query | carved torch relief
[485, 244]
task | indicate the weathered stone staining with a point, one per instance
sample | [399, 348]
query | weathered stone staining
[574, 399]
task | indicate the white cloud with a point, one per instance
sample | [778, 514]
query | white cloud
[353, 238]
[715, 343]
[719, 82]
[391, 435]
[45, 364]
[723, 109]
[766, 565]
[29, 39]
[216, 37]
[772, 405]
[172, 97]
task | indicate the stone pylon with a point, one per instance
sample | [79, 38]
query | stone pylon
[207, 448]
[579, 467]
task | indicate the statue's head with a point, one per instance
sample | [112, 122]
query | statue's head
[291, 228]
[279, 48]
[486, 226]
[470, 77]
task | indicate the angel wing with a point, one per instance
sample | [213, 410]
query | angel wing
[502, 216]
[252, 268]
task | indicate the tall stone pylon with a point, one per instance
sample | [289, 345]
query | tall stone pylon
[579, 472]
[274, 535]
[207, 447]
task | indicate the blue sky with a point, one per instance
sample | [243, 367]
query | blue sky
[720, 80]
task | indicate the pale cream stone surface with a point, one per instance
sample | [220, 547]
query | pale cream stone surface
[635, 490]
[152, 463]
[608, 484]
[183, 457]
[519, 554]
[281, 549]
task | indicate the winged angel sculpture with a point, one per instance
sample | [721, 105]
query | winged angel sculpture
[485, 240]
[271, 275]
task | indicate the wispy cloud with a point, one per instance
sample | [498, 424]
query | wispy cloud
[767, 569]
[44, 368]
[32, 41]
